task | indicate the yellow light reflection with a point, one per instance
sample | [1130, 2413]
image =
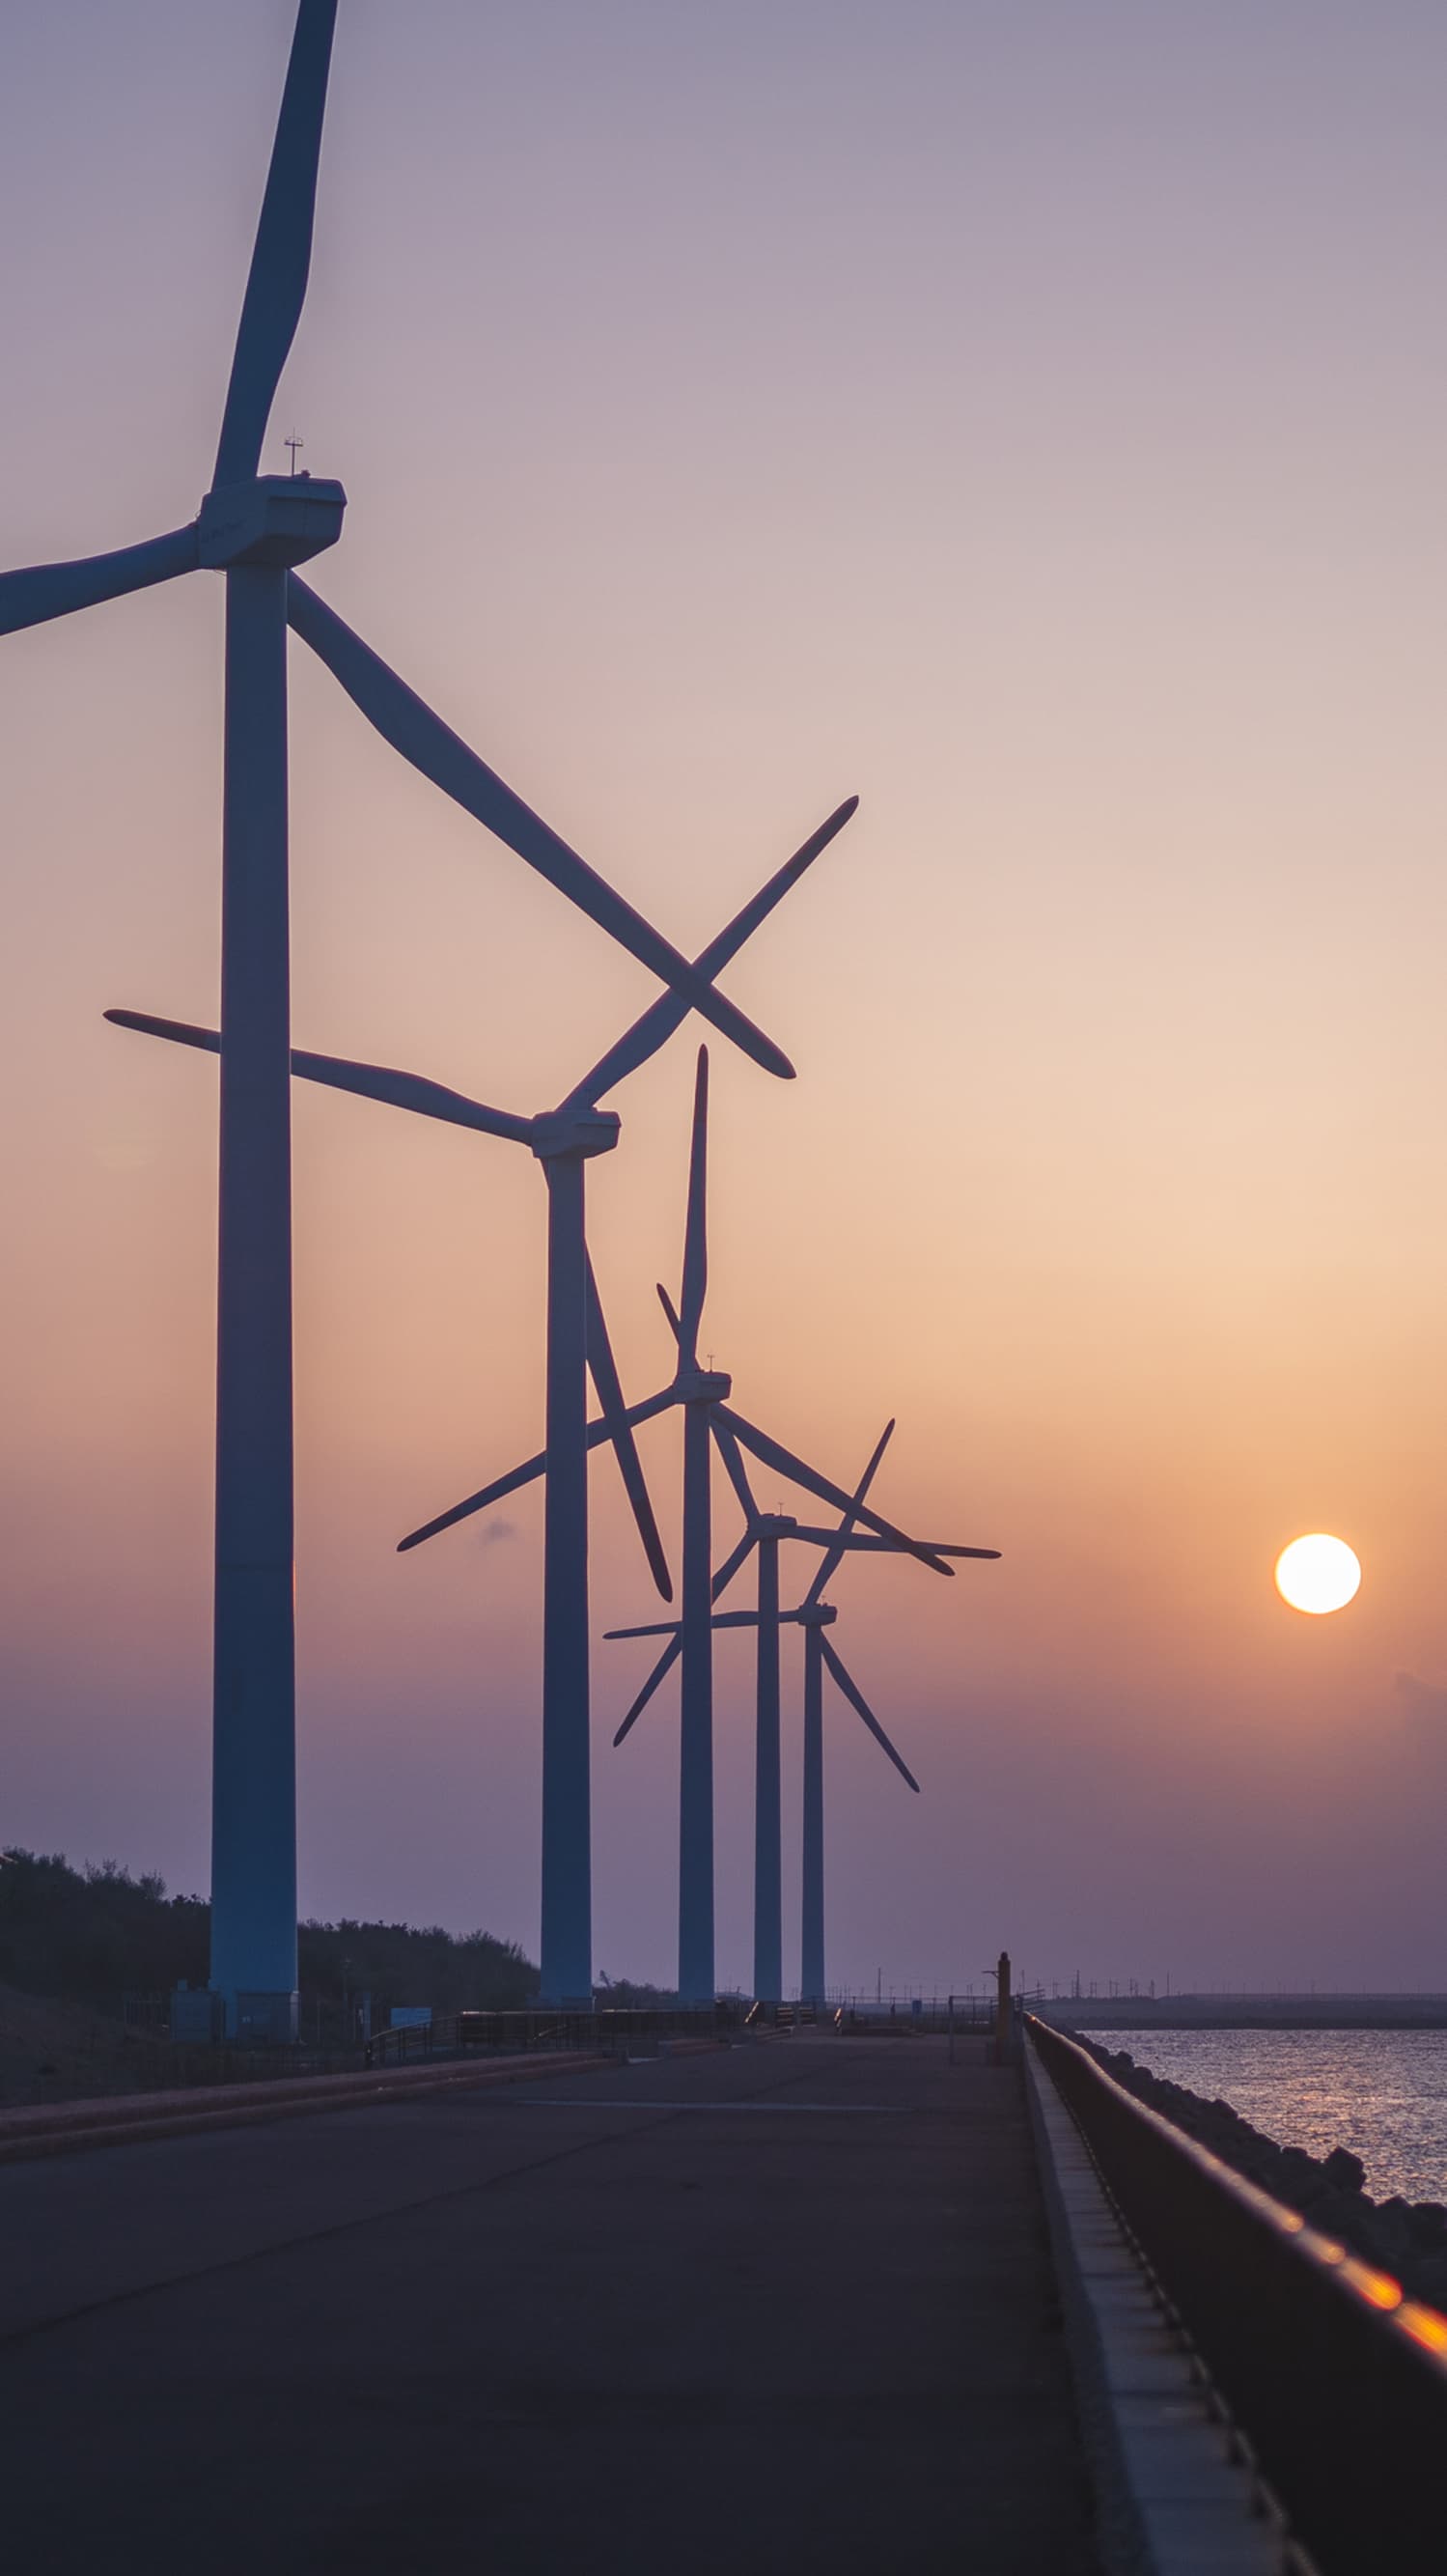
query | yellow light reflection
[1424, 2324]
[1379, 2287]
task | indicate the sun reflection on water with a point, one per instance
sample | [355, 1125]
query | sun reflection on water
[1382, 2093]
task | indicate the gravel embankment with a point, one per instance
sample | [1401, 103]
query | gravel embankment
[1406, 2238]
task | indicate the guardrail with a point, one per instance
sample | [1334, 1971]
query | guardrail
[451, 2034]
[455, 2034]
[1337, 2382]
[941, 2020]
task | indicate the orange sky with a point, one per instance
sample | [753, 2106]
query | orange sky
[1032, 425]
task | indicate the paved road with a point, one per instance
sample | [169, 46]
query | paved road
[784, 2307]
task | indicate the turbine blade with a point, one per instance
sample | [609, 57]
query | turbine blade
[180, 1032]
[731, 1564]
[281, 256]
[658, 1022]
[829, 1565]
[410, 1091]
[664, 1665]
[861, 1708]
[670, 1310]
[598, 1432]
[732, 1456]
[674, 1627]
[834, 1537]
[369, 1081]
[695, 1230]
[771, 1453]
[857, 1543]
[37, 592]
[625, 1448]
[441, 755]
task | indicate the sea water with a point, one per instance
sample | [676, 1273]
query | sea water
[1383, 2093]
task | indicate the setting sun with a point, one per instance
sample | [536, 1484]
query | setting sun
[1318, 1573]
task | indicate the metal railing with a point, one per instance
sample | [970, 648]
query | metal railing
[941, 2017]
[1337, 2382]
[151, 2063]
[455, 2034]
[512, 2033]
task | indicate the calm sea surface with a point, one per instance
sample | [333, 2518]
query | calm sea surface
[1383, 2093]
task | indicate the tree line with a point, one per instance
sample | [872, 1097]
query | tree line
[95, 1935]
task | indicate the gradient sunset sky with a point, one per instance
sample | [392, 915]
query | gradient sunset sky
[1030, 419]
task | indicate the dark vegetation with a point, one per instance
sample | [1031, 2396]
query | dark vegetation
[89, 1958]
[1406, 2238]
[626, 1994]
[95, 1936]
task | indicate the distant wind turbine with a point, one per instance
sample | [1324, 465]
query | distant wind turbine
[563, 1140]
[702, 1394]
[255, 527]
[766, 1532]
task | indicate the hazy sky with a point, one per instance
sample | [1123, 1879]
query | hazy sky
[1029, 418]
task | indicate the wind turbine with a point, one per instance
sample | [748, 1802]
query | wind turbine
[766, 1532]
[563, 1140]
[255, 527]
[702, 1394]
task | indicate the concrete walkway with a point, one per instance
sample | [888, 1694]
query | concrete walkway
[784, 2307]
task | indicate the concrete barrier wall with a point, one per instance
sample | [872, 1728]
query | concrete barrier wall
[128, 2119]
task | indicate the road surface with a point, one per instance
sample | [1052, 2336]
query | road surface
[784, 2307]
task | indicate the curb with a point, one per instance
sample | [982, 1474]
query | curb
[1170, 2500]
[63, 2129]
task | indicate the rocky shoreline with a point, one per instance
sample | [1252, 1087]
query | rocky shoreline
[1406, 2238]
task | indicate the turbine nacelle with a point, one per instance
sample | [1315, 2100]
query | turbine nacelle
[814, 1614]
[584, 1132]
[775, 1525]
[276, 520]
[701, 1386]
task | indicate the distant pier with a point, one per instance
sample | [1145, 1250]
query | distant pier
[1245, 2010]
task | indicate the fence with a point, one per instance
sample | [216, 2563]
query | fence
[865, 2016]
[1338, 2383]
[512, 2033]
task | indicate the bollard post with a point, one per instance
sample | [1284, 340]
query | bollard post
[1002, 2009]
